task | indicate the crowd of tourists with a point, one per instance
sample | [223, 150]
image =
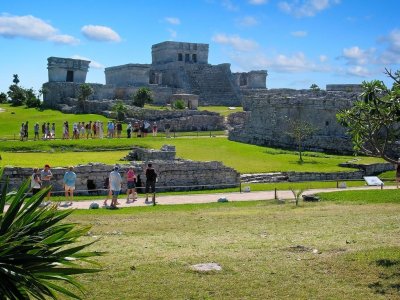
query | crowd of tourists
[97, 129]
[113, 184]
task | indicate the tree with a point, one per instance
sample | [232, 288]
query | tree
[37, 247]
[15, 79]
[373, 122]
[120, 109]
[31, 99]
[300, 130]
[314, 87]
[3, 98]
[16, 95]
[85, 90]
[142, 96]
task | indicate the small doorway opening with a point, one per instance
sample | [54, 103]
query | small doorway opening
[194, 58]
[180, 58]
[70, 76]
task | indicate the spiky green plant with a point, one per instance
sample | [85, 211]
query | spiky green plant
[297, 194]
[37, 250]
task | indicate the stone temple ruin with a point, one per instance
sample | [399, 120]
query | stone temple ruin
[176, 68]
[181, 70]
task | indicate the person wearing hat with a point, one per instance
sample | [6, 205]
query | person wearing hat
[45, 177]
[115, 186]
[69, 184]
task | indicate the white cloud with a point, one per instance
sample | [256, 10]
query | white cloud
[33, 28]
[323, 58]
[100, 33]
[173, 21]
[227, 4]
[93, 64]
[257, 2]
[305, 8]
[236, 42]
[299, 33]
[357, 56]
[247, 21]
[358, 71]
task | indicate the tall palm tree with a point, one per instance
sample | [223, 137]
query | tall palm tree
[37, 250]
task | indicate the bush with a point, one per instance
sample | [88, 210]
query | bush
[179, 104]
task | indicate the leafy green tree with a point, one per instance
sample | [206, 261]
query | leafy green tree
[37, 248]
[314, 87]
[3, 98]
[120, 109]
[16, 95]
[373, 122]
[85, 90]
[142, 96]
[31, 99]
[299, 130]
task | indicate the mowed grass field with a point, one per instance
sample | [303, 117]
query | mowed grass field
[242, 157]
[320, 250]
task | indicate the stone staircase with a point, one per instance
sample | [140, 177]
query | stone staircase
[212, 84]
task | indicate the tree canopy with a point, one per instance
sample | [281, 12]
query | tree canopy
[373, 121]
[142, 96]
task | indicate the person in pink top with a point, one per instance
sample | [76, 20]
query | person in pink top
[131, 184]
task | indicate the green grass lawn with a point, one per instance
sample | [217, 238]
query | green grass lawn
[243, 157]
[222, 110]
[320, 250]
[196, 146]
[12, 117]
[362, 197]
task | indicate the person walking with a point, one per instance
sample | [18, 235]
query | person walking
[69, 185]
[115, 186]
[151, 177]
[131, 184]
[35, 181]
[36, 131]
[45, 177]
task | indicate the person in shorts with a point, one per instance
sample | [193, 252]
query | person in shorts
[45, 177]
[115, 186]
[69, 184]
[131, 184]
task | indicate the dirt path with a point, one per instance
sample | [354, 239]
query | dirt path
[209, 198]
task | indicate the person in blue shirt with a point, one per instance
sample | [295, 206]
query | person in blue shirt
[69, 184]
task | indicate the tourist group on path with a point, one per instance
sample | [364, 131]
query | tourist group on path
[97, 129]
[42, 179]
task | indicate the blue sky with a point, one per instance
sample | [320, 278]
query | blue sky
[299, 42]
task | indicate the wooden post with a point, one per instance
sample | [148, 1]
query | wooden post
[276, 195]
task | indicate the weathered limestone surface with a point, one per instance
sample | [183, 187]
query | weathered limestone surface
[268, 112]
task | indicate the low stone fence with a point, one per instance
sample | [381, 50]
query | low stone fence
[371, 169]
[301, 176]
[172, 175]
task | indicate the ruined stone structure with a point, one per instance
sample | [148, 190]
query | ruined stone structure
[176, 68]
[267, 112]
[173, 174]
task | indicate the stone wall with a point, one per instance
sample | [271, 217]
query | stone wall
[172, 175]
[167, 152]
[128, 75]
[268, 113]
